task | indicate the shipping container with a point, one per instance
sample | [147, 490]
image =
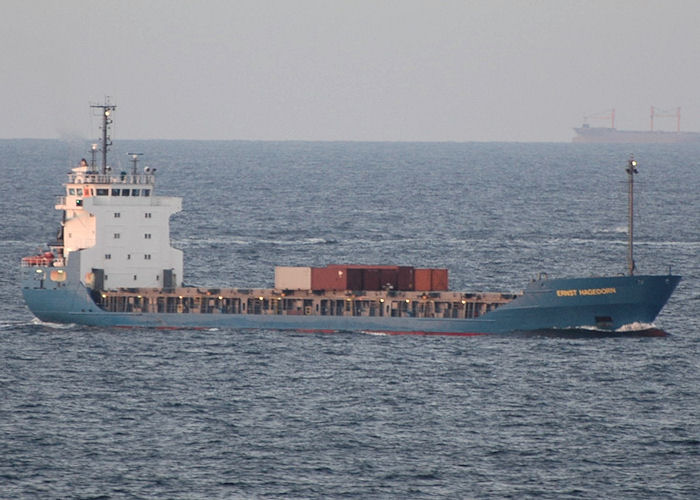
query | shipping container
[389, 278]
[336, 278]
[354, 278]
[371, 279]
[406, 278]
[431, 279]
[328, 278]
[292, 278]
[439, 280]
[363, 277]
[423, 279]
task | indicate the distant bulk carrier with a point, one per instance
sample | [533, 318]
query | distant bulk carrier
[588, 134]
[112, 264]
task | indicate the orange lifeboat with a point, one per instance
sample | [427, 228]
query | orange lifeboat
[43, 259]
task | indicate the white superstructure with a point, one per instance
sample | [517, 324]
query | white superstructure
[121, 228]
[118, 226]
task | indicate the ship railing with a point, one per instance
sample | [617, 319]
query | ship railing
[61, 200]
[36, 262]
[123, 178]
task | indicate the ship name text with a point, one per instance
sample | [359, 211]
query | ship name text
[586, 291]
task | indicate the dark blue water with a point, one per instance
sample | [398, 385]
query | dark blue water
[111, 413]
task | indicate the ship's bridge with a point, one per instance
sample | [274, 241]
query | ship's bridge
[84, 182]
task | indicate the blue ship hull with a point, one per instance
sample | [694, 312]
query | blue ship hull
[599, 303]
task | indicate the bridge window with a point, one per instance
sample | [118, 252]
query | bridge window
[115, 192]
[102, 192]
[125, 192]
[135, 192]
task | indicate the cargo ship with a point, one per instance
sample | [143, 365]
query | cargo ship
[588, 134]
[611, 135]
[112, 265]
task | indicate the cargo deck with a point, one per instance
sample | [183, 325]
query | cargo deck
[408, 304]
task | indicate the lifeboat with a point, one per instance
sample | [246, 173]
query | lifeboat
[43, 259]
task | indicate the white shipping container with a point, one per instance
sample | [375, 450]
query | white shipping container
[292, 278]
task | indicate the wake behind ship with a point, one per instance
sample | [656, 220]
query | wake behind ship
[112, 265]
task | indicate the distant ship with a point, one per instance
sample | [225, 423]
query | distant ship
[112, 264]
[588, 134]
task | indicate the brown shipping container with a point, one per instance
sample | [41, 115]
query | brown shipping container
[422, 279]
[406, 278]
[324, 278]
[389, 277]
[354, 278]
[371, 279]
[362, 277]
[434, 280]
[439, 279]
[336, 278]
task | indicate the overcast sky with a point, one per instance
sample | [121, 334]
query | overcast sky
[405, 70]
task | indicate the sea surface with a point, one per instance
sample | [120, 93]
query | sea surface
[112, 413]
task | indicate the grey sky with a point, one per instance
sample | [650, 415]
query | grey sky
[404, 70]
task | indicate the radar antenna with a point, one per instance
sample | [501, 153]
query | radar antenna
[134, 161]
[631, 170]
[106, 111]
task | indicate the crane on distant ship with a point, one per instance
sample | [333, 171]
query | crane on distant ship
[608, 114]
[665, 113]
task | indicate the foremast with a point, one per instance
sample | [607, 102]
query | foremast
[631, 170]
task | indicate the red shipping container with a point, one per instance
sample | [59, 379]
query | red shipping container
[323, 278]
[433, 280]
[362, 277]
[371, 279]
[423, 279]
[389, 278]
[336, 278]
[406, 278]
[439, 280]
[354, 278]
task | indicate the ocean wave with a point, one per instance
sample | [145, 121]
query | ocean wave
[48, 324]
[377, 334]
[209, 242]
[636, 327]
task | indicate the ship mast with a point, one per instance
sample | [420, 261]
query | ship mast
[631, 170]
[107, 109]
